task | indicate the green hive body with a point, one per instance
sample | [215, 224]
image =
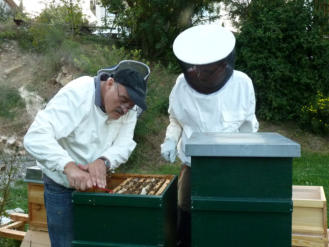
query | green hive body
[241, 189]
[102, 219]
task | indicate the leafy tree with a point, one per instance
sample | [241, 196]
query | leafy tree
[55, 23]
[282, 47]
[4, 12]
[152, 25]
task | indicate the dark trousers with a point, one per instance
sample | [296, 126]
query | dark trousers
[58, 202]
[184, 208]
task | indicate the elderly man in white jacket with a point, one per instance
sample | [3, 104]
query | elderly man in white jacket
[209, 96]
[86, 129]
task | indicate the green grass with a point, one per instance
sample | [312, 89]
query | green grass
[18, 196]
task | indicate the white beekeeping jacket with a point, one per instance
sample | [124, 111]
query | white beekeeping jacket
[231, 109]
[73, 128]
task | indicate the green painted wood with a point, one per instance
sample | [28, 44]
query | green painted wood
[241, 205]
[242, 177]
[245, 229]
[101, 199]
[241, 201]
[125, 220]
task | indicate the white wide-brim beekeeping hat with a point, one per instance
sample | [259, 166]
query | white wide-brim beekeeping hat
[203, 44]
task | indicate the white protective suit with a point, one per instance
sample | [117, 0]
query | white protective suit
[73, 128]
[231, 109]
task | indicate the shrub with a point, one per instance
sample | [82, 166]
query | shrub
[315, 116]
[10, 102]
[282, 48]
[152, 26]
[55, 24]
[4, 12]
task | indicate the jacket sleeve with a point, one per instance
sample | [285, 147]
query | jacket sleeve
[60, 117]
[250, 123]
[174, 129]
[124, 143]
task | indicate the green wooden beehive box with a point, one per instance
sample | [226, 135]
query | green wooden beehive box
[122, 218]
[241, 189]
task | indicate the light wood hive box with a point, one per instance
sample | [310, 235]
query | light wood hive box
[309, 217]
[37, 210]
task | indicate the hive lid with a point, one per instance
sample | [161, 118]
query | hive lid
[33, 175]
[241, 145]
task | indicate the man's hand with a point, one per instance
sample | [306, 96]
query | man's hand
[97, 172]
[78, 179]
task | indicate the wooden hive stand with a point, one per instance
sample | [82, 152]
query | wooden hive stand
[37, 234]
[15, 230]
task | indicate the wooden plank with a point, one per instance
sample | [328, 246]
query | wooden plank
[127, 175]
[36, 239]
[15, 224]
[19, 217]
[325, 223]
[12, 234]
[156, 187]
[37, 217]
[120, 186]
[322, 194]
[309, 240]
[9, 231]
[35, 193]
[308, 217]
[308, 203]
[163, 187]
[308, 229]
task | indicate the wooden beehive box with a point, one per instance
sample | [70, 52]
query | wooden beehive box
[129, 215]
[37, 210]
[309, 218]
[36, 206]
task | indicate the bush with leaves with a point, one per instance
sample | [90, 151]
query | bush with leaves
[55, 24]
[152, 26]
[5, 14]
[282, 48]
[10, 102]
[10, 166]
[315, 116]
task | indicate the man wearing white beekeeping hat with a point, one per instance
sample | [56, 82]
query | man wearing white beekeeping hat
[209, 96]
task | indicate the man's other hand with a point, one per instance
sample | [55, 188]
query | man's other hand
[78, 179]
[97, 172]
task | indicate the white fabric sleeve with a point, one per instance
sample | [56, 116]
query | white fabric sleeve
[174, 129]
[124, 144]
[60, 117]
[250, 124]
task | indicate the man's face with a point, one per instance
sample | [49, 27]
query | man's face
[208, 74]
[116, 99]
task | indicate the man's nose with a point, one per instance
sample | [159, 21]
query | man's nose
[124, 108]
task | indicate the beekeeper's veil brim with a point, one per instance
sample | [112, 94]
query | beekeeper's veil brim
[206, 55]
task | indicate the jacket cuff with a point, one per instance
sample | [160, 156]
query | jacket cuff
[62, 163]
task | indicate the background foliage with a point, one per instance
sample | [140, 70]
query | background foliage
[153, 25]
[282, 47]
[315, 115]
[10, 102]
